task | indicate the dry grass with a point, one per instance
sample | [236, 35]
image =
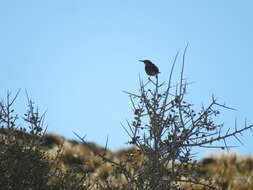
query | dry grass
[229, 171]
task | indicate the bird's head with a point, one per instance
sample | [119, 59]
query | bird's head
[146, 61]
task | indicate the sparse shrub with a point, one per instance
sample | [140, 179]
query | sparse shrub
[165, 130]
[22, 163]
[25, 161]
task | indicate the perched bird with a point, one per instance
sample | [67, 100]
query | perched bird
[150, 67]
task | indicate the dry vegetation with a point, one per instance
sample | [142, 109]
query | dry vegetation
[68, 161]
[163, 133]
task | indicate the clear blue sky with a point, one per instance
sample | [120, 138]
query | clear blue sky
[75, 57]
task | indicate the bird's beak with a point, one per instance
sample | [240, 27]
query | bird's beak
[141, 61]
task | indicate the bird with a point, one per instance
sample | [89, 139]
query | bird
[150, 68]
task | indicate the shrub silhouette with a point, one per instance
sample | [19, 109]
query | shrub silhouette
[22, 163]
[25, 160]
[164, 132]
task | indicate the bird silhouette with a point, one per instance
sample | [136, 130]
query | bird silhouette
[150, 68]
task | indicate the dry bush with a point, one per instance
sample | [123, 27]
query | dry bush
[22, 163]
[26, 161]
[165, 130]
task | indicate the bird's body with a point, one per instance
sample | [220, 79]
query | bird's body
[150, 68]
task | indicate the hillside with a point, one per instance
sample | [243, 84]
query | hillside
[76, 165]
